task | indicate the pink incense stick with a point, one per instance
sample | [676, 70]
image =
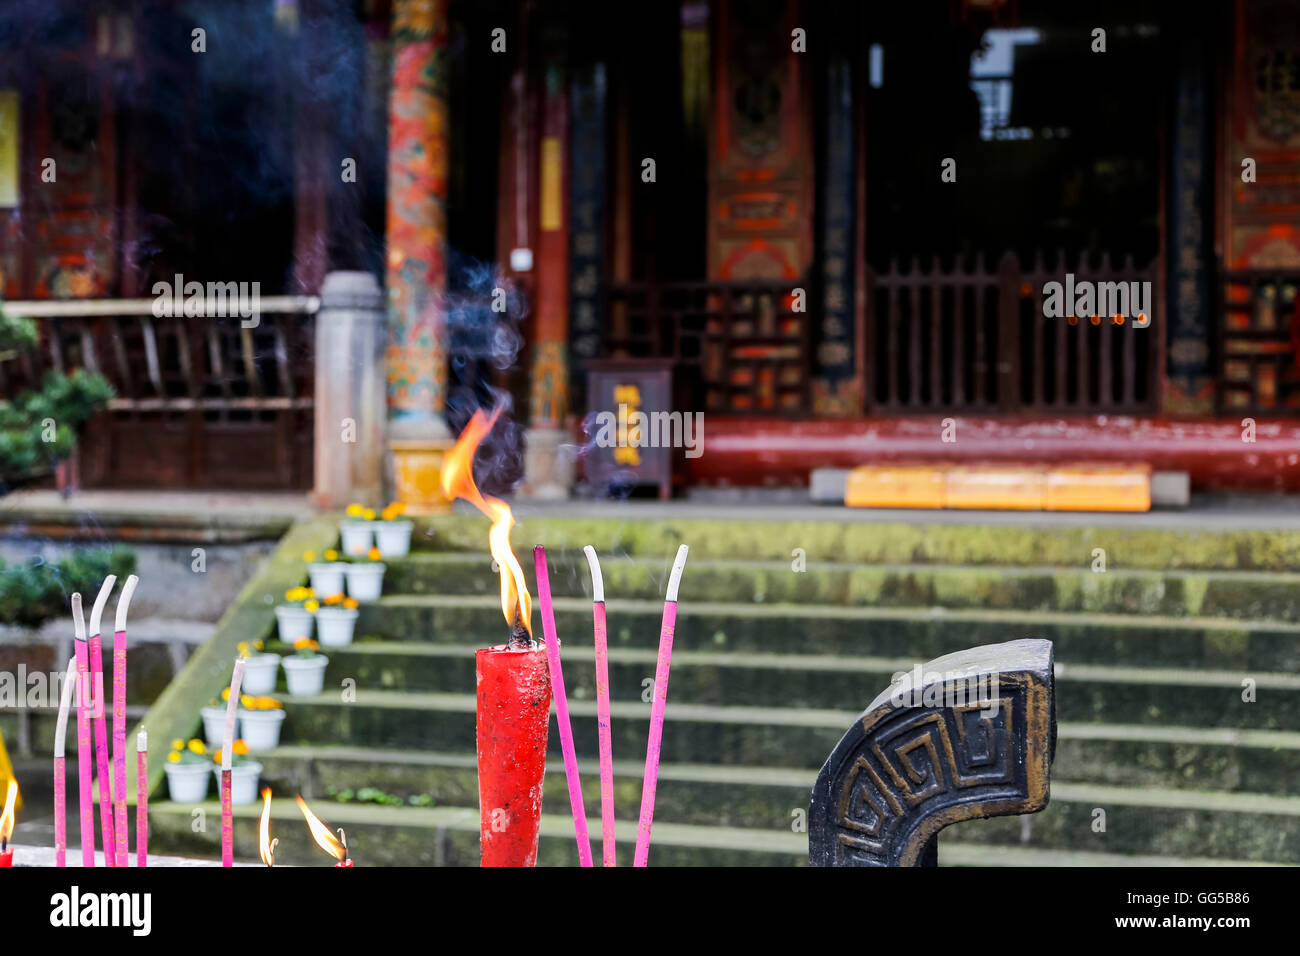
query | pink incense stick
[60, 766]
[561, 707]
[119, 721]
[85, 701]
[227, 755]
[101, 722]
[609, 856]
[142, 798]
[653, 745]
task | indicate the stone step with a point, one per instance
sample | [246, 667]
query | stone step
[1156, 542]
[38, 734]
[1174, 593]
[734, 735]
[1170, 758]
[449, 836]
[1226, 827]
[1148, 820]
[1085, 692]
[926, 633]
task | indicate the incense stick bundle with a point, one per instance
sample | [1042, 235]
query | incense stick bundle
[60, 766]
[562, 707]
[101, 722]
[227, 754]
[84, 754]
[119, 720]
[609, 855]
[142, 798]
[653, 745]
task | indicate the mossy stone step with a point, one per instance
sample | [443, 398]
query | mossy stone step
[707, 734]
[41, 722]
[926, 633]
[449, 836]
[757, 796]
[1137, 821]
[1084, 692]
[857, 538]
[1235, 594]
[1143, 820]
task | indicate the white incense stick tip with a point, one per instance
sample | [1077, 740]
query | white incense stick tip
[228, 738]
[597, 579]
[675, 579]
[142, 741]
[78, 618]
[101, 599]
[65, 705]
[124, 601]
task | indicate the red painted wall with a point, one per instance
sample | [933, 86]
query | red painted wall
[748, 451]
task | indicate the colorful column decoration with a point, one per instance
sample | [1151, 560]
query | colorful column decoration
[548, 470]
[835, 387]
[587, 232]
[1188, 387]
[415, 259]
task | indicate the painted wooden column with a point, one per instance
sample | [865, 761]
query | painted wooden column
[836, 387]
[1189, 386]
[587, 255]
[548, 463]
[415, 262]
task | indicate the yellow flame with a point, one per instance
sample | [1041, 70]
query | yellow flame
[321, 834]
[7, 818]
[458, 482]
[265, 845]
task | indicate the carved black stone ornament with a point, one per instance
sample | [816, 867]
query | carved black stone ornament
[966, 736]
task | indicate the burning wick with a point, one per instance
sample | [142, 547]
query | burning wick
[265, 845]
[520, 639]
[7, 825]
[335, 847]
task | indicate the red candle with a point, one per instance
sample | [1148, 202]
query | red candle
[7, 824]
[514, 683]
[514, 704]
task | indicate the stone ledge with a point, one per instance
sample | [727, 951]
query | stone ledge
[44, 856]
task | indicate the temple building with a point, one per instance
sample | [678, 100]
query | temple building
[841, 233]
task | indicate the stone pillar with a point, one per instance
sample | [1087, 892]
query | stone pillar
[415, 260]
[548, 459]
[350, 402]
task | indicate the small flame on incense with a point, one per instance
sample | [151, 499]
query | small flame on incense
[7, 818]
[335, 847]
[458, 482]
[265, 845]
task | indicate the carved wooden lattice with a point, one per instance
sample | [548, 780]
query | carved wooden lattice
[1259, 357]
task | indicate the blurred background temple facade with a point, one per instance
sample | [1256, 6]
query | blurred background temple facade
[832, 222]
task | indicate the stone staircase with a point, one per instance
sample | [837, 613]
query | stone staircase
[771, 665]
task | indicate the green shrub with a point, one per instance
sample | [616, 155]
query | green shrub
[39, 428]
[35, 591]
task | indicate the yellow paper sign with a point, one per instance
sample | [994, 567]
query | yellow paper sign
[552, 182]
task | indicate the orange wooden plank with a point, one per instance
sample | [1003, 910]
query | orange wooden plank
[892, 486]
[1000, 487]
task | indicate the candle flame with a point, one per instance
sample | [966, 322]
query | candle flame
[321, 834]
[7, 818]
[265, 845]
[458, 482]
